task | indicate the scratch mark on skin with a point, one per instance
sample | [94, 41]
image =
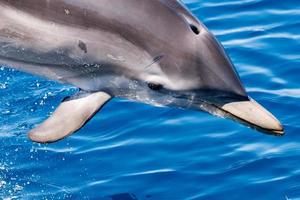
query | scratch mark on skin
[156, 59]
[119, 58]
[82, 46]
[67, 11]
[14, 34]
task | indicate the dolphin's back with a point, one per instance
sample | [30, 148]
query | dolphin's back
[59, 38]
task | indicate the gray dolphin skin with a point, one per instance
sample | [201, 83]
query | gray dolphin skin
[153, 51]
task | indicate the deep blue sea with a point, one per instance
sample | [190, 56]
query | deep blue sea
[132, 151]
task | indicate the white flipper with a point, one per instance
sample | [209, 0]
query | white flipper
[69, 117]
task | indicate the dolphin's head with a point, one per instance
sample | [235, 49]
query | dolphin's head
[191, 70]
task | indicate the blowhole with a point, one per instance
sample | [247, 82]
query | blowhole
[194, 29]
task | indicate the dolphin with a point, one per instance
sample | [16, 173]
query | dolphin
[155, 52]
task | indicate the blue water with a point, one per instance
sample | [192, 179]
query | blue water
[134, 151]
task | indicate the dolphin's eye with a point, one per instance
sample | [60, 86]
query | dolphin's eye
[194, 29]
[155, 86]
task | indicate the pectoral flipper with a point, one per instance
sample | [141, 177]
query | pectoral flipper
[69, 117]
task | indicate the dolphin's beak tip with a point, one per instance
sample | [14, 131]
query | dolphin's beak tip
[280, 131]
[253, 114]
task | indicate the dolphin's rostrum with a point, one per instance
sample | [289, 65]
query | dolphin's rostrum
[153, 51]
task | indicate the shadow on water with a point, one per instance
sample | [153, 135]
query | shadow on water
[125, 196]
[121, 196]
